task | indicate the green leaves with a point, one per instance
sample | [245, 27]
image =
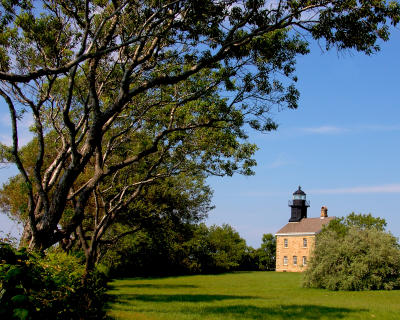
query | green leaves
[356, 25]
[355, 253]
[34, 287]
[5, 154]
[9, 9]
[362, 221]
[12, 275]
[21, 313]
[267, 252]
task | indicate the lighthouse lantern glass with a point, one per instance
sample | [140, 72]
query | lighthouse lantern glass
[299, 197]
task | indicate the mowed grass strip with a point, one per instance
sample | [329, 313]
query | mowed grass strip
[243, 295]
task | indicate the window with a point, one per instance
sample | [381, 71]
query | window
[304, 242]
[304, 260]
[285, 243]
[299, 197]
[285, 261]
[295, 260]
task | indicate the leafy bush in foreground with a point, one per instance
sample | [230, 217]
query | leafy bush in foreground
[50, 287]
[357, 259]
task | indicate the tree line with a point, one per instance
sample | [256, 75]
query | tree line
[189, 249]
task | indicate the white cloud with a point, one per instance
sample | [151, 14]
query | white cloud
[331, 129]
[22, 139]
[325, 130]
[380, 127]
[6, 139]
[25, 122]
[262, 193]
[5, 120]
[389, 188]
[23, 125]
[280, 161]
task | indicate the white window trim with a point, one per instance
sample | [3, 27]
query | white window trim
[295, 260]
[285, 261]
[285, 243]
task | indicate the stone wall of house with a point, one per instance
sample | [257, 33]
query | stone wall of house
[295, 248]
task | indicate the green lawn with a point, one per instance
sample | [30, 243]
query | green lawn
[241, 296]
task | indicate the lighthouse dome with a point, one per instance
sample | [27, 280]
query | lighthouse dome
[299, 194]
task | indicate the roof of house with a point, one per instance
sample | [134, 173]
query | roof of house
[305, 226]
[299, 191]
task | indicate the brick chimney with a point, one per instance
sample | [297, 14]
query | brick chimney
[324, 212]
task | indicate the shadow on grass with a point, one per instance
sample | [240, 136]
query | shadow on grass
[154, 286]
[177, 297]
[309, 312]
[246, 312]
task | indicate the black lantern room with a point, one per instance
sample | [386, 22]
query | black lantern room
[299, 206]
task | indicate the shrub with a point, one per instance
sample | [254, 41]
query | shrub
[357, 259]
[48, 287]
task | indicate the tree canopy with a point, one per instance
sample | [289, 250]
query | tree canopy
[124, 93]
[183, 248]
[361, 221]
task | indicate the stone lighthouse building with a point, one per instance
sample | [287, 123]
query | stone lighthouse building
[295, 241]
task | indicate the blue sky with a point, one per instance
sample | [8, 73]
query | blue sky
[341, 146]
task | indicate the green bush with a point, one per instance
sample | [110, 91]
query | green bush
[354, 259]
[48, 287]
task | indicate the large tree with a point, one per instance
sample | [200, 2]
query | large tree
[172, 203]
[127, 92]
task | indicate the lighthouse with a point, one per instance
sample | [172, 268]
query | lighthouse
[296, 240]
[299, 206]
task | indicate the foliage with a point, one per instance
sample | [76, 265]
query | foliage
[156, 226]
[124, 93]
[365, 221]
[217, 248]
[267, 252]
[151, 252]
[13, 199]
[50, 287]
[8, 238]
[250, 260]
[362, 221]
[244, 296]
[176, 249]
[262, 258]
[358, 259]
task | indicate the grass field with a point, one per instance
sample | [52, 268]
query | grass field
[243, 295]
